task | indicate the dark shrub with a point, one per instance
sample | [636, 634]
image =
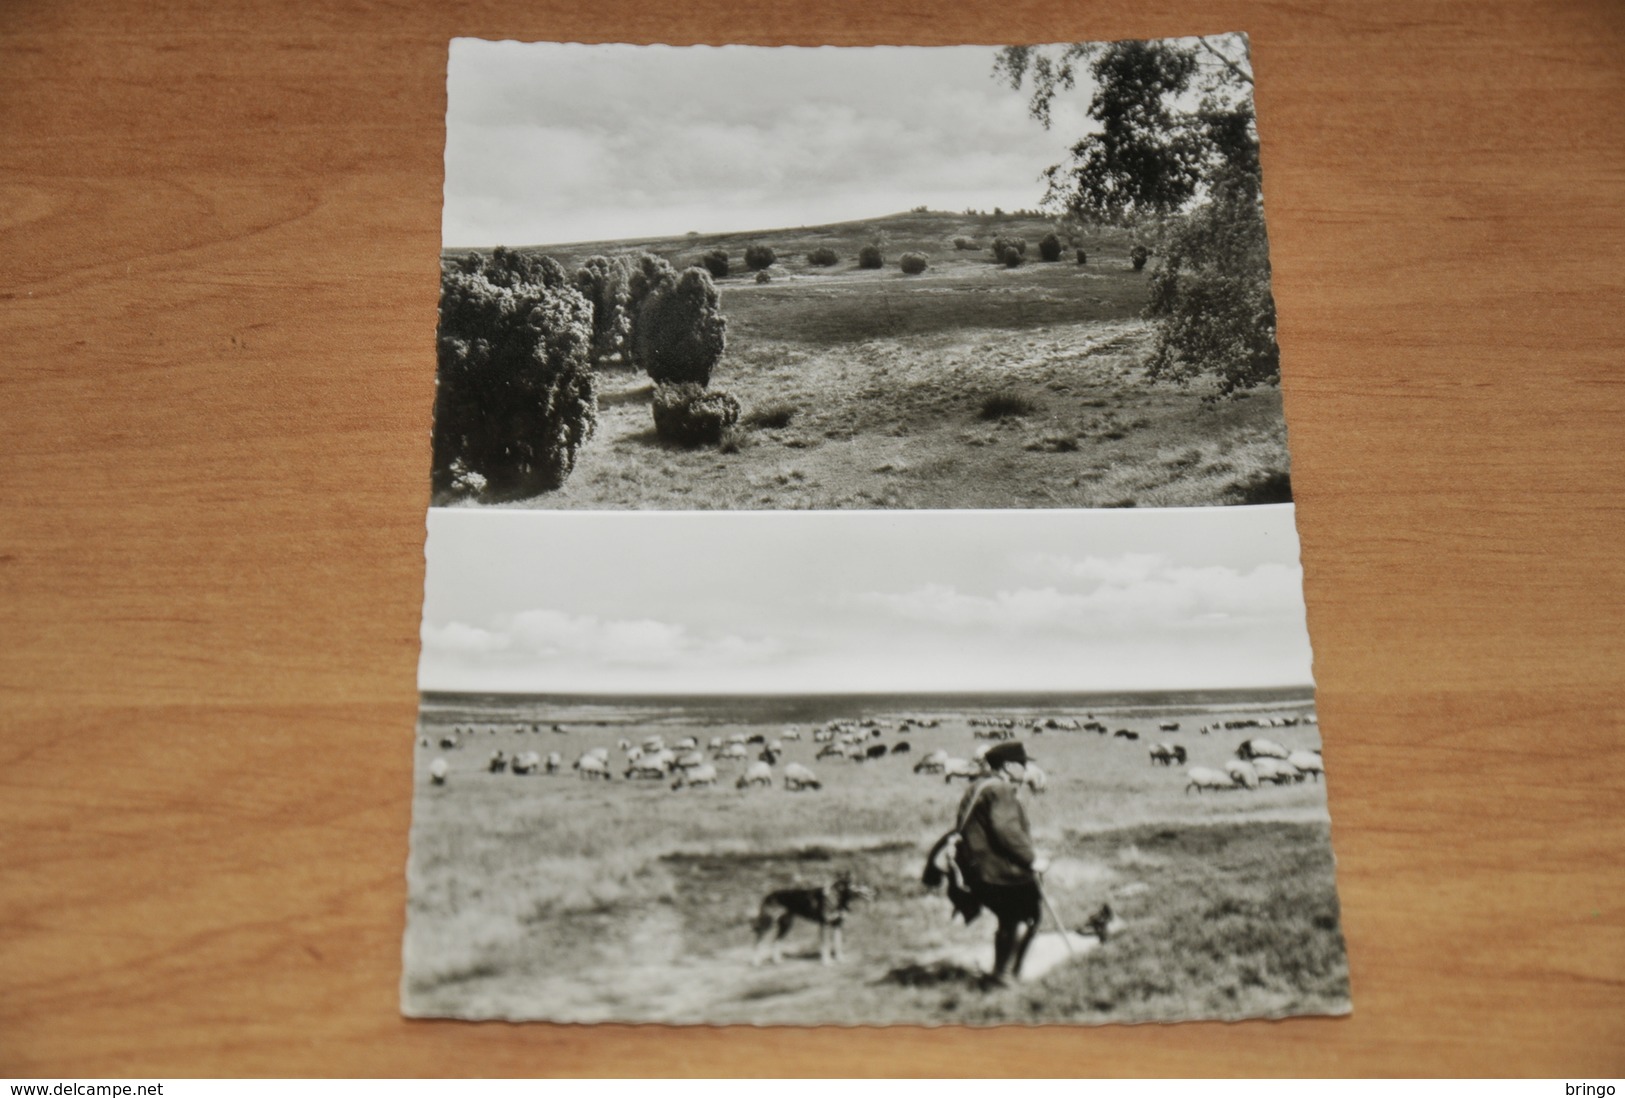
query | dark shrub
[1000, 405]
[1274, 487]
[1083, 257]
[604, 283]
[966, 244]
[870, 259]
[715, 262]
[1012, 252]
[514, 394]
[822, 257]
[763, 276]
[759, 257]
[678, 330]
[1049, 248]
[687, 415]
[912, 262]
[1138, 255]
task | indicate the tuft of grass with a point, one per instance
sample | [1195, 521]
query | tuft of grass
[1005, 405]
[1053, 444]
[772, 416]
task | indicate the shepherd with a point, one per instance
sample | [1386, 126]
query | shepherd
[988, 859]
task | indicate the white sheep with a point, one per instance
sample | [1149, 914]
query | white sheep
[1261, 749]
[798, 777]
[438, 771]
[757, 773]
[1242, 773]
[591, 766]
[1200, 778]
[526, 762]
[704, 774]
[1309, 762]
[960, 768]
[1276, 771]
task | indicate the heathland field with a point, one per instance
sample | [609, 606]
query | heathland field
[968, 385]
[558, 897]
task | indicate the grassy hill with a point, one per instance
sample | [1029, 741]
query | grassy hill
[969, 385]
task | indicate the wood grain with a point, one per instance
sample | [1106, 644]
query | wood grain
[220, 224]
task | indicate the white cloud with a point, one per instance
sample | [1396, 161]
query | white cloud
[458, 638]
[1133, 594]
[552, 636]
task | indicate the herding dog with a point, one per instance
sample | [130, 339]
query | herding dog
[825, 906]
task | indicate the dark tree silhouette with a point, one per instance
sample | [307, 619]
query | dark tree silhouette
[514, 395]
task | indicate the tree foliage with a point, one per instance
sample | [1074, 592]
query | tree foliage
[514, 393]
[678, 331]
[605, 283]
[1175, 159]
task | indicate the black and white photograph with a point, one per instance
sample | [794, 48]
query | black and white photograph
[702, 278]
[869, 767]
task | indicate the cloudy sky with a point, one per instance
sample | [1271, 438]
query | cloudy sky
[550, 143]
[864, 601]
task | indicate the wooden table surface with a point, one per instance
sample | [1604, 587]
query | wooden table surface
[220, 224]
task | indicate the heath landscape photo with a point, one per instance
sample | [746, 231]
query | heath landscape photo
[748, 278]
[869, 767]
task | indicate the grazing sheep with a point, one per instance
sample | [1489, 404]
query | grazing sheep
[798, 777]
[737, 738]
[831, 751]
[1242, 773]
[1168, 726]
[691, 761]
[449, 743]
[901, 747]
[878, 751]
[1276, 771]
[438, 771]
[591, 766]
[526, 762]
[704, 774]
[1261, 749]
[1125, 734]
[932, 763]
[1308, 762]
[733, 751]
[498, 763]
[756, 737]
[960, 768]
[1162, 754]
[646, 769]
[652, 744]
[716, 743]
[1200, 778]
[687, 743]
[757, 773]
[790, 734]
[553, 762]
[768, 755]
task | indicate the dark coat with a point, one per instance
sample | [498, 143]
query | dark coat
[995, 840]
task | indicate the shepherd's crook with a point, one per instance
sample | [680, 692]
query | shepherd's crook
[1066, 935]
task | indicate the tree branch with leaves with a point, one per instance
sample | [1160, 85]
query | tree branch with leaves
[1174, 157]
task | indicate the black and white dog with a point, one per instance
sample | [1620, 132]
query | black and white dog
[825, 906]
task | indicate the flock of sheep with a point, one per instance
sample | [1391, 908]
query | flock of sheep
[752, 758]
[1257, 761]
